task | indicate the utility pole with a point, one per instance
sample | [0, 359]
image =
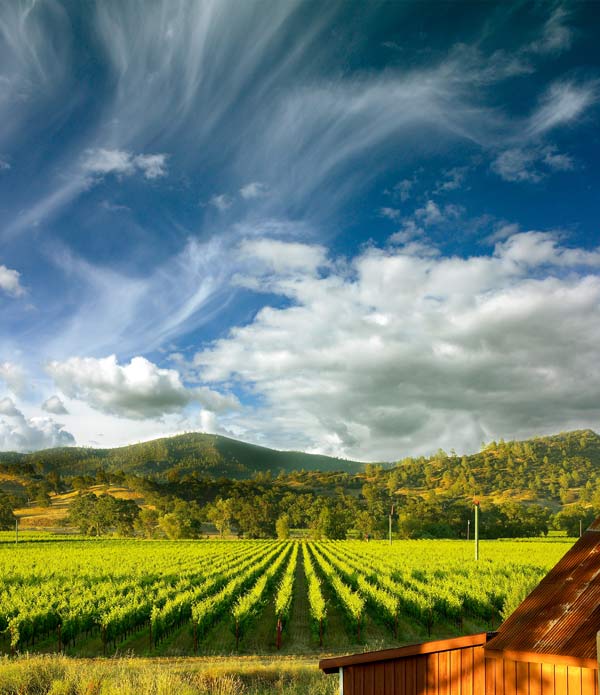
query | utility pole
[476, 503]
[390, 523]
[16, 530]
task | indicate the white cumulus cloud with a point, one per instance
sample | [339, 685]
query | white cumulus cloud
[136, 390]
[403, 351]
[531, 164]
[255, 189]
[281, 256]
[10, 282]
[55, 406]
[18, 433]
[13, 376]
[103, 161]
[222, 202]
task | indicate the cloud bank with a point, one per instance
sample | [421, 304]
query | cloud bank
[18, 433]
[400, 352]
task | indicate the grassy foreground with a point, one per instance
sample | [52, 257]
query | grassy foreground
[60, 675]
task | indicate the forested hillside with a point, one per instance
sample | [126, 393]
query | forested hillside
[559, 468]
[204, 454]
[177, 486]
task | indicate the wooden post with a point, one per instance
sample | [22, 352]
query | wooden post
[279, 630]
[476, 503]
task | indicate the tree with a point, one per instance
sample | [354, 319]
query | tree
[221, 514]
[333, 520]
[55, 481]
[147, 522]
[97, 515]
[568, 519]
[282, 527]
[184, 521]
[364, 524]
[82, 513]
[7, 518]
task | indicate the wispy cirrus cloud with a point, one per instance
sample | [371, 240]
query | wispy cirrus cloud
[82, 176]
[563, 103]
[34, 66]
[556, 35]
[143, 311]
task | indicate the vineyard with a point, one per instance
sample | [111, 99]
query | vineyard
[95, 597]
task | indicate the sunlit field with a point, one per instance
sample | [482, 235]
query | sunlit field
[90, 598]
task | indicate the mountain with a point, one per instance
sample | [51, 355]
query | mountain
[205, 454]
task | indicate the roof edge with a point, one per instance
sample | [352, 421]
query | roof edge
[538, 658]
[331, 665]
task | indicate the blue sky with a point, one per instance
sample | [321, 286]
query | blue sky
[363, 229]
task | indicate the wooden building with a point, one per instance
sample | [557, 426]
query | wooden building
[546, 647]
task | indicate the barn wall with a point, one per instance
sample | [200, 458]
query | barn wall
[452, 672]
[507, 677]
[467, 672]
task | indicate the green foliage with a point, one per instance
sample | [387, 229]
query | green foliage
[283, 597]
[118, 587]
[282, 527]
[569, 519]
[147, 522]
[545, 466]
[318, 610]
[184, 520]
[97, 516]
[7, 518]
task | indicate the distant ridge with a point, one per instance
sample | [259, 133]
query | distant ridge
[207, 455]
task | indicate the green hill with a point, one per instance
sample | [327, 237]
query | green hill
[563, 468]
[205, 454]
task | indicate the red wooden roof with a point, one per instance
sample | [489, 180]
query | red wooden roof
[333, 664]
[561, 615]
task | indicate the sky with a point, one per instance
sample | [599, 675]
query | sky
[368, 230]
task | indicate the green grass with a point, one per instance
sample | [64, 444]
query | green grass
[60, 675]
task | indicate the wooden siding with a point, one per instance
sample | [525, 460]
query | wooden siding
[467, 671]
[509, 677]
